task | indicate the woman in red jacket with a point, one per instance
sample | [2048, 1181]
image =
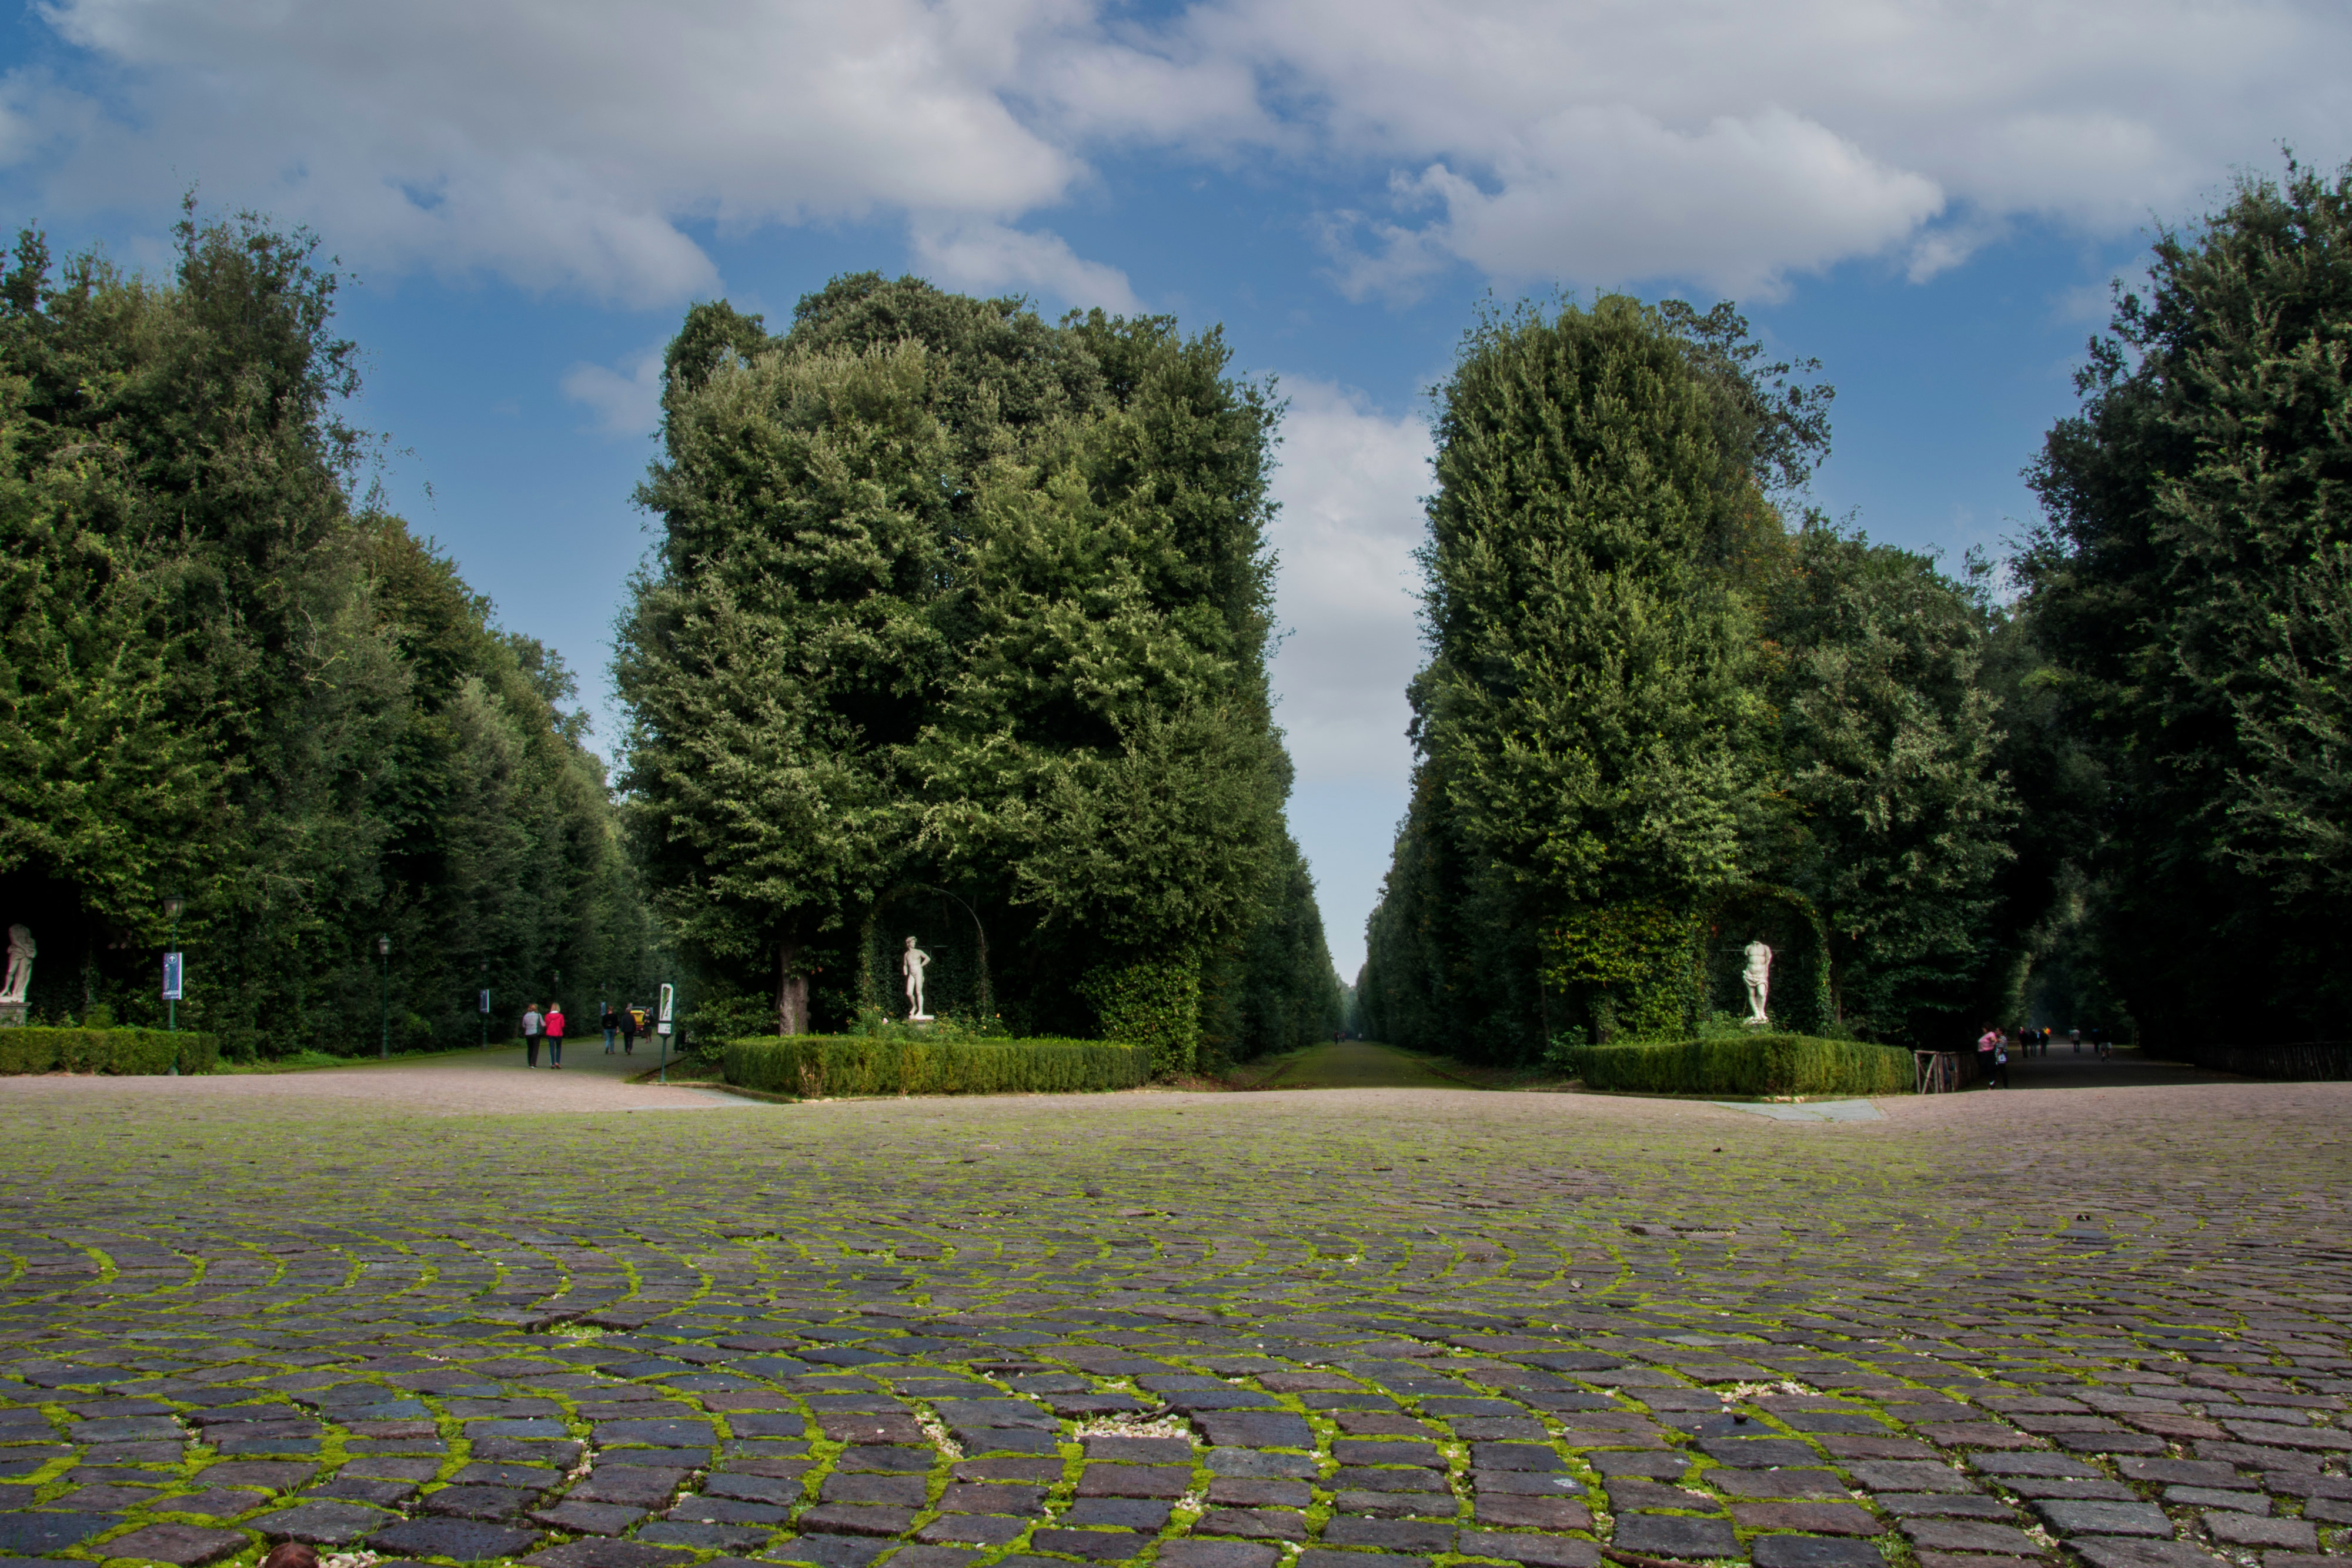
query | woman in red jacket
[555, 1034]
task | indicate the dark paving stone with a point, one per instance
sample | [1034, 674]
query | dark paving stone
[1510, 1513]
[2069, 1518]
[183, 1546]
[604, 1554]
[631, 1485]
[907, 1492]
[1664, 1535]
[1969, 1536]
[1759, 1453]
[929, 1556]
[1664, 1465]
[1535, 1551]
[703, 1537]
[36, 1534]
[1254, 1431]
[1813, 1552]
[856, 1519]
[1943, 1505]
[1814, 1518]
[1318, 1558]
[465, 1540]
[1254, 1524]
[320, 1523]
[1410, 1536]
[588, 1518]
[973, 1529]
[1216, 1554]
[1135, 1481]
[1127, 1513]
[478, 1502]
[1241, 1491]
[831, 1551]
[1096, 1545]
[1777, 1483]
[2125, 1552]
[1250, 1462]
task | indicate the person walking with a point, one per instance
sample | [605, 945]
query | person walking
[612, 1025]
[531, 1024]
[2001, 1061]
[555, 1034]
[1985, 1043]
[628, 1031]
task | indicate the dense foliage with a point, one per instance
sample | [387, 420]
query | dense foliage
[2188, 610]
[958, 629]
[1752, 1064]
[223, 678]
[34, 1048]
[818, 1066]
[1655, 724]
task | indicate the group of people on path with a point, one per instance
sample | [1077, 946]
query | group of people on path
[1993, 1046]
[623, 1024]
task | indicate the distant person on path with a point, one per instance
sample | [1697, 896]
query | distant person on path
[630, 1020]
[2076, 1034]
[612, 1024]
[2001, 1063]
[531, 1024]
[1985, 1043]
[555, 1034]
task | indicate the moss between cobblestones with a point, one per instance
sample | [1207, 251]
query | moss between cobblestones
[1750, 1064]
[829, 1066]
[1605, 1278]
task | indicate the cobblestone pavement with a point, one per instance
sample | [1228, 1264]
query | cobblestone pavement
[1353, 1329]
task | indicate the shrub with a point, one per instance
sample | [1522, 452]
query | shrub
[817, 1065]
[1752, 1064]
[127, 1051]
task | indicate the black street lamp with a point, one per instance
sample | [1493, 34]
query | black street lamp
[384, 951]
[485, 1004]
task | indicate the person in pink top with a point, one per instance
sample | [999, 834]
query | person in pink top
[555, 1034]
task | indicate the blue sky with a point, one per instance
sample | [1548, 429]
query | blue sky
[1929, 198]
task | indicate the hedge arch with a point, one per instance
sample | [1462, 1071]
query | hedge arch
[948, 928]
[1786, 920]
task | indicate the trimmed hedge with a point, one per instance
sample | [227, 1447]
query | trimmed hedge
[818, 1066]
[1751, 1064]
[124, 1051]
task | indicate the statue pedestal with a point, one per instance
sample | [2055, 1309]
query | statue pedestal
[1755, 1023]
[12, 1015]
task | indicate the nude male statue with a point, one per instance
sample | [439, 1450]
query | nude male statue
[1758, 977]
[21, 953]
[911, 964]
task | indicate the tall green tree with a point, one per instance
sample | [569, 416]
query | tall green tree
[225, 679]
[2188, 592]
[952, 602]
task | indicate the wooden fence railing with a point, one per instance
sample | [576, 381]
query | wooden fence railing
[2303, 1061]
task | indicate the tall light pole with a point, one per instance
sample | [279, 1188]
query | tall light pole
[384, 951]
[485, 1004]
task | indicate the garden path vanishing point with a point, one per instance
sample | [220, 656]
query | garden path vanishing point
[1348, 1329]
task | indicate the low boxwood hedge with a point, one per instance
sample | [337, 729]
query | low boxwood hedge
[1747, 1064]
[37, 1050]
[823, 1065]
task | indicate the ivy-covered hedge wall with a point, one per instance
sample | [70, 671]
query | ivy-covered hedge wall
[1750, 1064]
[818, 1065]
[125, 1051]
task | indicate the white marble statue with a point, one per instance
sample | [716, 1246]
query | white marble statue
[20, 964]
[912, 963]
[1758, 977]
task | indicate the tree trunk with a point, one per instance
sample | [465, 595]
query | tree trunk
[791, 991]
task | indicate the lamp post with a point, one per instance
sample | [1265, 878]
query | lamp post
[485, 1004]
[384, 951]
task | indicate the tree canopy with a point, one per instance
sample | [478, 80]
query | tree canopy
[226, 677]
[952, 603]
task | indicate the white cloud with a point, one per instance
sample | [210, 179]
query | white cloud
[1349, 488]
[572, 144]
[627, 400]
[991, 259]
